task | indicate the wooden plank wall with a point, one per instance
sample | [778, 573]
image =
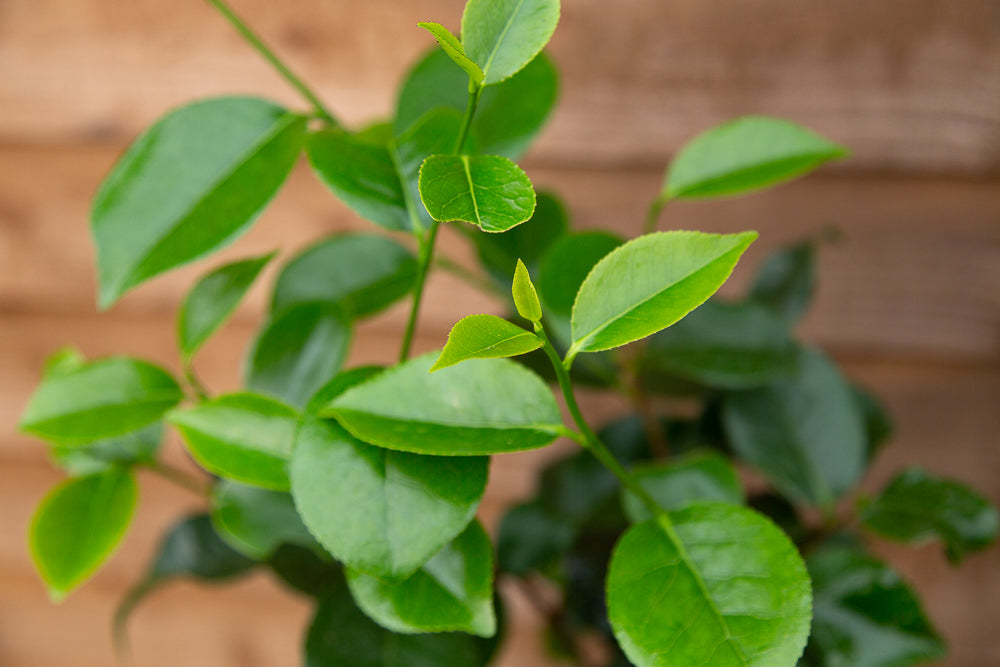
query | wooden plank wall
[909, 299]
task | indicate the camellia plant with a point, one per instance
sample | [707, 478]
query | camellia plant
[358, 487]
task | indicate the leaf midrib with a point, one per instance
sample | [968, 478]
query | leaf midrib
[500, 39]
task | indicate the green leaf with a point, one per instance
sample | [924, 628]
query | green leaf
[78, 525]
[451, 591]
[378, 510]
[213, 299]
[746, 154]
[378, 181]
[243, 437]
[338, 385]
[649, 283]
[98, 400]
[191, 184]
[137, 447]
[878, 424]
[532, 539]
[696, 477]
[63, 361]
[298, 351]
[916, 508]
[865, 614]
[787, 280]
[723, 586]
[486, 190]
[488, 406]
[451, 46]
[361, 273]
[804, 433]
[725, 346]
[304, 570]
[502, 36]
[525, 296]
[509, 114]
[500, 253]
[256, 521]
[485, 337]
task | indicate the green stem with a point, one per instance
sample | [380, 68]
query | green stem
[269, 55]
[423, 266]
[179, 477]
[192, 379]
[653, 213]
[470, 111]
[482, 284]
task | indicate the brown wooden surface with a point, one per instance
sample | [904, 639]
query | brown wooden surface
[908, 300]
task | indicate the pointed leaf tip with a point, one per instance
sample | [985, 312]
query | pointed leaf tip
[525, 296]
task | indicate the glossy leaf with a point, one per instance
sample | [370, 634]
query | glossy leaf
[697, 477]
[298, 351]
[191, 184]
[488, 406]
[137, 447]
[532, 539]
[362, 273]
[338, 385]
[378, 510]
[502, 36]
[786, 281]
[488, 191]
[257, 521]
[485, 337]
[243, 437]
[78, 525]
[738, 591]
[649, 283]
[525, 296]
[916, 508]
[212, 300]
[725, 346]
[451, 46]
[509, 114]
[98, 400]
[746, 154]
[865, 615]
[500, 253]
[804, 433]
[452, 591]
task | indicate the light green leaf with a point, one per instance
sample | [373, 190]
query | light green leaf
[485, 337]
[509, 114]
[865, 615]
[746, 154]
[243, 437]
[137, 447]
[525, 296]
[213, 299]
[486, 190]
[696, 477]
[451, 591]
[63, 361]
[362, 273]
[191, 184]
[338, 385]
[916, 508]
[502, 36]
[98, 400]
[499, 253]
[257, 521]
[722, 587]
[649, 283]
[451, 46]
[804, 433]
[787, 280]
[78, 525]
[378, 510]
[298, 351]
[488, 406]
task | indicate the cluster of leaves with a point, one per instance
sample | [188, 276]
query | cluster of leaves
[358, 487]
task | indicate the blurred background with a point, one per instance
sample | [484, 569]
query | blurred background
[908, 301]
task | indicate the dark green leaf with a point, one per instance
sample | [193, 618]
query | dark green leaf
[746, 154]
[878, 424]
[191, 184]
[532, 539]
[338, 385]
[298, 351]
[649, 283]
[502, 36]
[78, 525]
[362, 273]
[450, 45]
[722, 586]
[865, 615]
[525, 296]
[485, 337]
[98, 400]
[212, 300]
[305, 571]
[916, 508]
[257, 521]
[451, 591]
[696, 477]
[499, 253]
[488, 406]
[488, 191]
[567, 263]
[725, 346]
[133, 448]
[244, 437]
[378, 510]
[787, 280]
[804, 433]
